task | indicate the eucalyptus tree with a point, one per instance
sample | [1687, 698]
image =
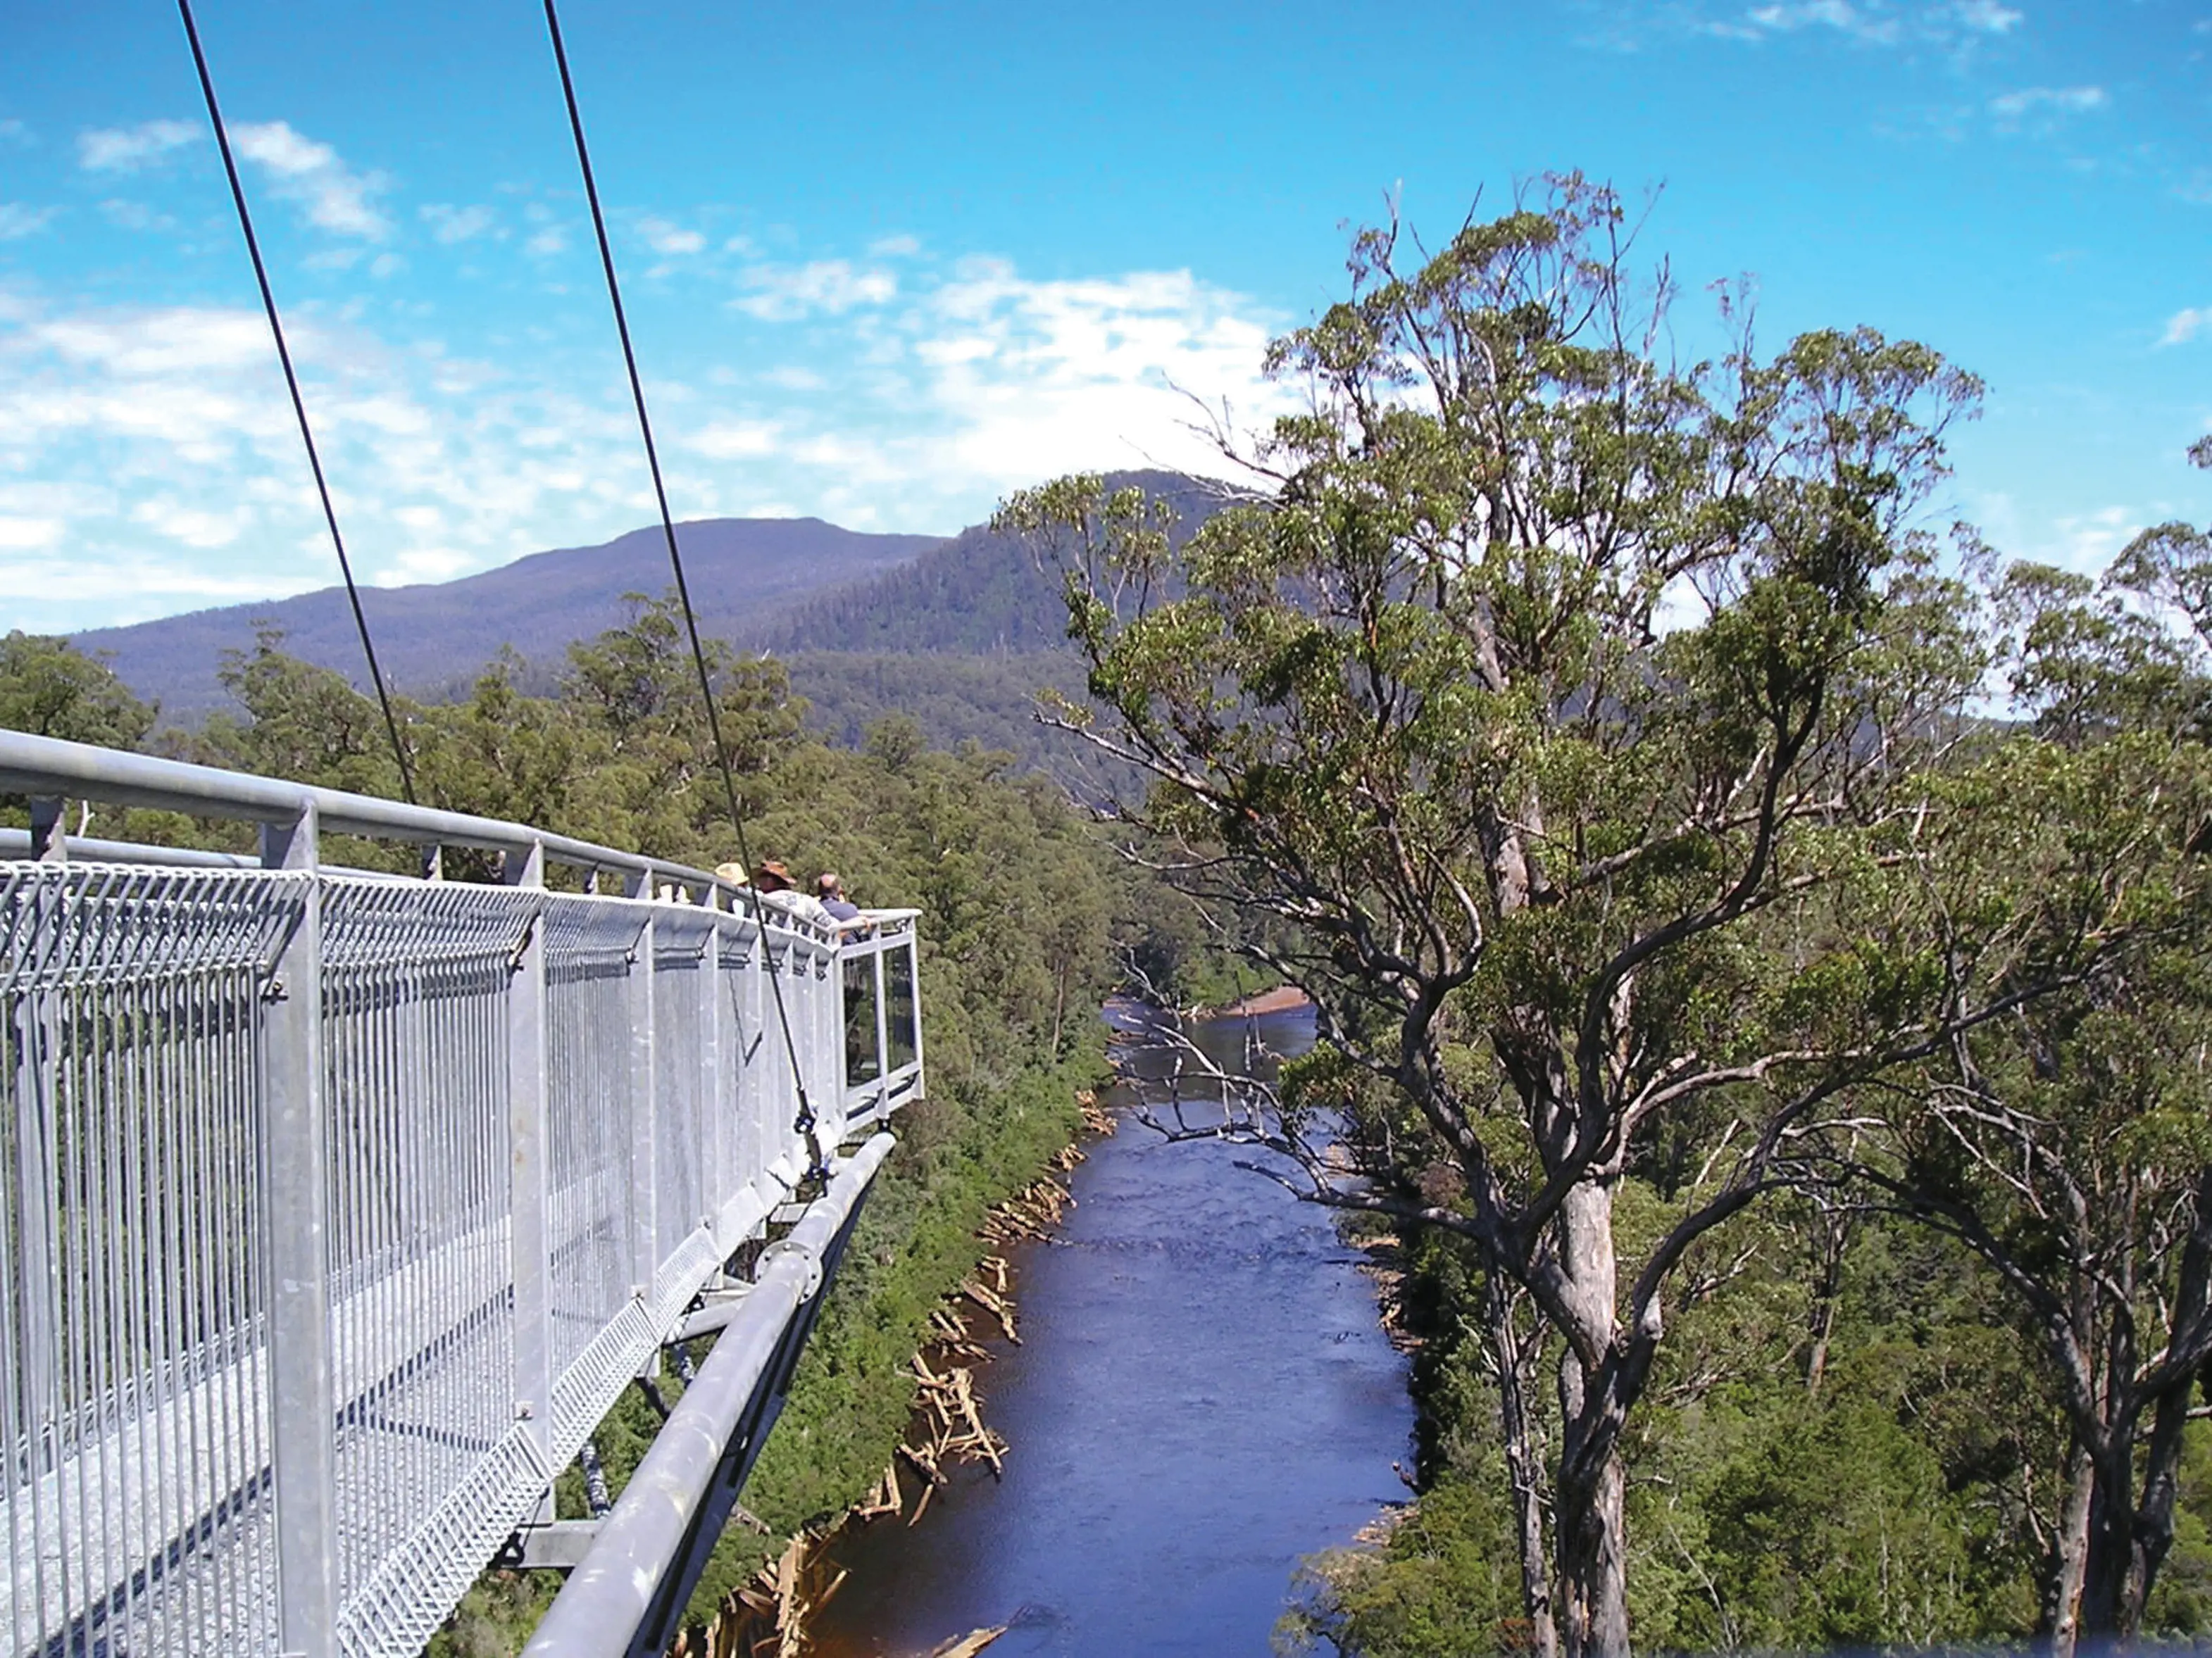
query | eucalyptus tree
[1551, 701]
[2071, 1147]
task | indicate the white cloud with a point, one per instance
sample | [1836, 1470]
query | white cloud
[1955, 25]
[13, 131]
[18, 220]
[456, 224]
[551, 240]
[1837, 15]
[180, 521]
[134, 215]
[669, 239]
[2047, 101]
[2088, 541]
[894, 247]
[126, 150]
[1987, 16]
[302, 170]
[180, 341]
[2184, 324]
[785, 292]
[23, 535]
[734, 440]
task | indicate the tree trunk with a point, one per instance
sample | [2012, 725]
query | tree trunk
[2110, 1556]
[1835, 1240]
[2069, 1552]
[1591, 1520]
[1524, 1465]
[2154, 1518]
[1593, 1532]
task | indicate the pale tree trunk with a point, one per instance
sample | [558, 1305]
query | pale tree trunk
[2069, 1551]
[1524, 1465]
[1591, 1517]
[1835, 1240]
[1593, 1528]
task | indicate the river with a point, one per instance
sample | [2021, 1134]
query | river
[1202, 1396]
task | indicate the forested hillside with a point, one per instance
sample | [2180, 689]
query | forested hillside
[983, 592]
[746, 574]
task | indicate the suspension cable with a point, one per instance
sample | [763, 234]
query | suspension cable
[806, 1120]
[298, 405]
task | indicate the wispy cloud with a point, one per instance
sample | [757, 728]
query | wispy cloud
[2186, 323]
[126, 215]
[126, 150]
[669, 239]
[784, 293]
[302, 171]
[2046, 101]
[18, 220]
[1877, 28]
[1953, 24]
[449, 223]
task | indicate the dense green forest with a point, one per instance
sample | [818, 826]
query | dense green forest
[1759, 950]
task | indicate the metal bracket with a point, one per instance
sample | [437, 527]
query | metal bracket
[559, 1545]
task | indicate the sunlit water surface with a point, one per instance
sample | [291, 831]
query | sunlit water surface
[1202, 1397]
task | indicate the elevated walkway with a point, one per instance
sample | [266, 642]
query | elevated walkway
[338, 1208]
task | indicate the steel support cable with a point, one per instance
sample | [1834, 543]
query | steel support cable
[806, 1120]
[298, 405]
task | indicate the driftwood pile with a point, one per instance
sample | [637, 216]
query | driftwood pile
[767, 1618]
[948, 1430]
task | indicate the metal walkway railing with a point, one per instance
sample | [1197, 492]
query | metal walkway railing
[337, 1209]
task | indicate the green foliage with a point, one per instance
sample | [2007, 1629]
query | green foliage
[50, 689]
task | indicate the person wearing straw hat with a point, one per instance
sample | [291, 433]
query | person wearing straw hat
[772, 880]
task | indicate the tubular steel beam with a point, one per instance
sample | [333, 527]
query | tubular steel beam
[613, 1603]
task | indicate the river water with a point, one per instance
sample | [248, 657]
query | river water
[1202, 1396]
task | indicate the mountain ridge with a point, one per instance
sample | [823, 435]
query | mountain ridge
[432, 638]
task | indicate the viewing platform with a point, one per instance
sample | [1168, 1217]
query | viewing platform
[339, 1207]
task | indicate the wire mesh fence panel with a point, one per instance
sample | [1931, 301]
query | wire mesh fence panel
[135, 1434]
[595, 1092]
[901, 1015]
[680, 1125]
[422, 1305]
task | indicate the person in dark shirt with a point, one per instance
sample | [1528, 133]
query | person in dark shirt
[831, 892]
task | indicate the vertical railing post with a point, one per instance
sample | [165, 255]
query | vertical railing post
[717, 1091]
[50, 830]
[914, 993]
[295, 1208]
[529, 1161]
[644, 1167]
[883, 1029]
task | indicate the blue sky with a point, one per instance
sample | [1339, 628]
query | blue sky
[886, 262]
